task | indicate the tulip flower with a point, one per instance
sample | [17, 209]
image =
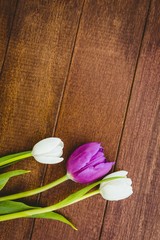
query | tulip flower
[88, 163]
[116, 189]
[48, 151]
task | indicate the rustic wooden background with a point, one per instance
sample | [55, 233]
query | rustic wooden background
[83, 70]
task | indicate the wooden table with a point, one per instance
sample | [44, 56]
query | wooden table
[83, 71]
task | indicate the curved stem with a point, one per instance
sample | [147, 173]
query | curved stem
[14, 157]
[34, 191]
[84, 197]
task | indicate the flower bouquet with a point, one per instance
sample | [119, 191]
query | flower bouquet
[87, 165]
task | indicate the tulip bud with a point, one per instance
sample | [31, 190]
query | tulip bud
[88, 163]
[48, 150]
[116, 189]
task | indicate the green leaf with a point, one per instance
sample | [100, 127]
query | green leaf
[8, 207]
[54, 216]
[4, 177]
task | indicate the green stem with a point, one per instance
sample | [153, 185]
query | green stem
[85, 196]
[34, 191]
[14, 157]
[37, 211]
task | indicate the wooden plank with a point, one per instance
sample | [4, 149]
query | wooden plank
[32, 81]
[7, 11]
[94, 103]
[139, 216]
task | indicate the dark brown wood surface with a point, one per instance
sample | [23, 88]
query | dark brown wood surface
[7, 13]
[140, 146]
[32, 82]
[83, 71]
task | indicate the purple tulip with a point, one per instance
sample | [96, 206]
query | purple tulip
[88, 163]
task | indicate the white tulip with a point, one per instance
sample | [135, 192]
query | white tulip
[48, 150]
[116, 189]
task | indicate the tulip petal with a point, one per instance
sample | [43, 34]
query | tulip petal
[76, 164]
[48, 159]
[46, 145]
[88, 163]
[91, 174]
[56, 152]
[121, 173]
[92, 148]
[93, 163]
[48, 150]
[116, 182]
[116, 189]
[82, 156]
[98, 158]
[116, 192]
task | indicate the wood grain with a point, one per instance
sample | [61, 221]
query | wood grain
[31, 84]
[139, 217]
[7, 11]
[94, 103]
